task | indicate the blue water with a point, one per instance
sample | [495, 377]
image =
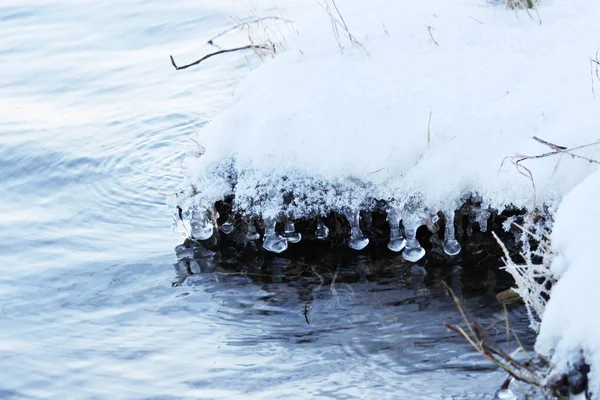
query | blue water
[94, 122]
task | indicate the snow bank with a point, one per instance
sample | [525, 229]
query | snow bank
[420, 115]
[570, 327]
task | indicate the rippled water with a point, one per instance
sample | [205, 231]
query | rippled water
[93, 124]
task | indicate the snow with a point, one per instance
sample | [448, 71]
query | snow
[570, 327]
[341, 128]
[432, 106]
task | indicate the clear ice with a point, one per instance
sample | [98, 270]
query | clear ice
[482, 217]
[322, 230]
[201, 225]
[413, 251]
[289, 232]
[272, 241]
[431, 223]
[397, 241]
[227, 226]
[251, 233]
[184, 252]
[451, 245]
[357, 241]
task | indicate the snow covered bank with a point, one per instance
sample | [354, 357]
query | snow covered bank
[570, 330]
[415, 119]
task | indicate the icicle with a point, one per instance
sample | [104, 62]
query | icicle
[184, 218]
[482, 216]
[251, 233]
[271, 240]
[357, 241]
[451, 245]
[322, 231]
[227, 226]
[431, 224]
[201, 225]
[413, 251]
[397, 241]
[289, 232]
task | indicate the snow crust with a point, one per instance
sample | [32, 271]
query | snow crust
[570, 326]
[341, 128]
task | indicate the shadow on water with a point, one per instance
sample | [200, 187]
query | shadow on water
[370, 310]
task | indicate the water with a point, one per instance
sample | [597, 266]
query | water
[93, 124]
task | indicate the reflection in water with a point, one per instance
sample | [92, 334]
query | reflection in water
[376, 314]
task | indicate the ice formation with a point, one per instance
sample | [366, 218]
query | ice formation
[331, 124]
[397, 241]
[272, 241]
[413, 251]
[227, 227]
[290, 233]
[482, 216]
[251, 232]
[357, 240]
[322, 231]
[451, 245]
[201, 225]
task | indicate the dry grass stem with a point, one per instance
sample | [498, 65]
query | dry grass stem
[338, 22]
[528, 371]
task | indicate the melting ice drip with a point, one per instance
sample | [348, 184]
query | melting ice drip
[289, 232]
[272, 241]
[322, 230]
[357, 241]
[451, 245]
[397, 241]
[413, 251]
[227, 226]
[251, 233]
[201, 225]
[482, 217]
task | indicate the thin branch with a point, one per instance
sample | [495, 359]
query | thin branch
[476, 20]
[430, 29]
[561, 149]
[241, 25]
[517, 159]
[489, 349]
[429, 129]
[253, 47]
[595, 61]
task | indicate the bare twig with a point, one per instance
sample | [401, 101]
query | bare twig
[429, 129]
[517, 159]
[430, 29]
[249, 47]
[476, 20]
[341, 22]
[561, 149]
[240, 25]
[595, 67]
[385, 30]
[476, 335]
[521, 169]
[305, 312]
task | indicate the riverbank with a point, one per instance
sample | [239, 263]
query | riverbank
[368, 125]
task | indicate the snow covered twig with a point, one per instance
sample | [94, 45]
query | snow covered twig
[533, 281]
